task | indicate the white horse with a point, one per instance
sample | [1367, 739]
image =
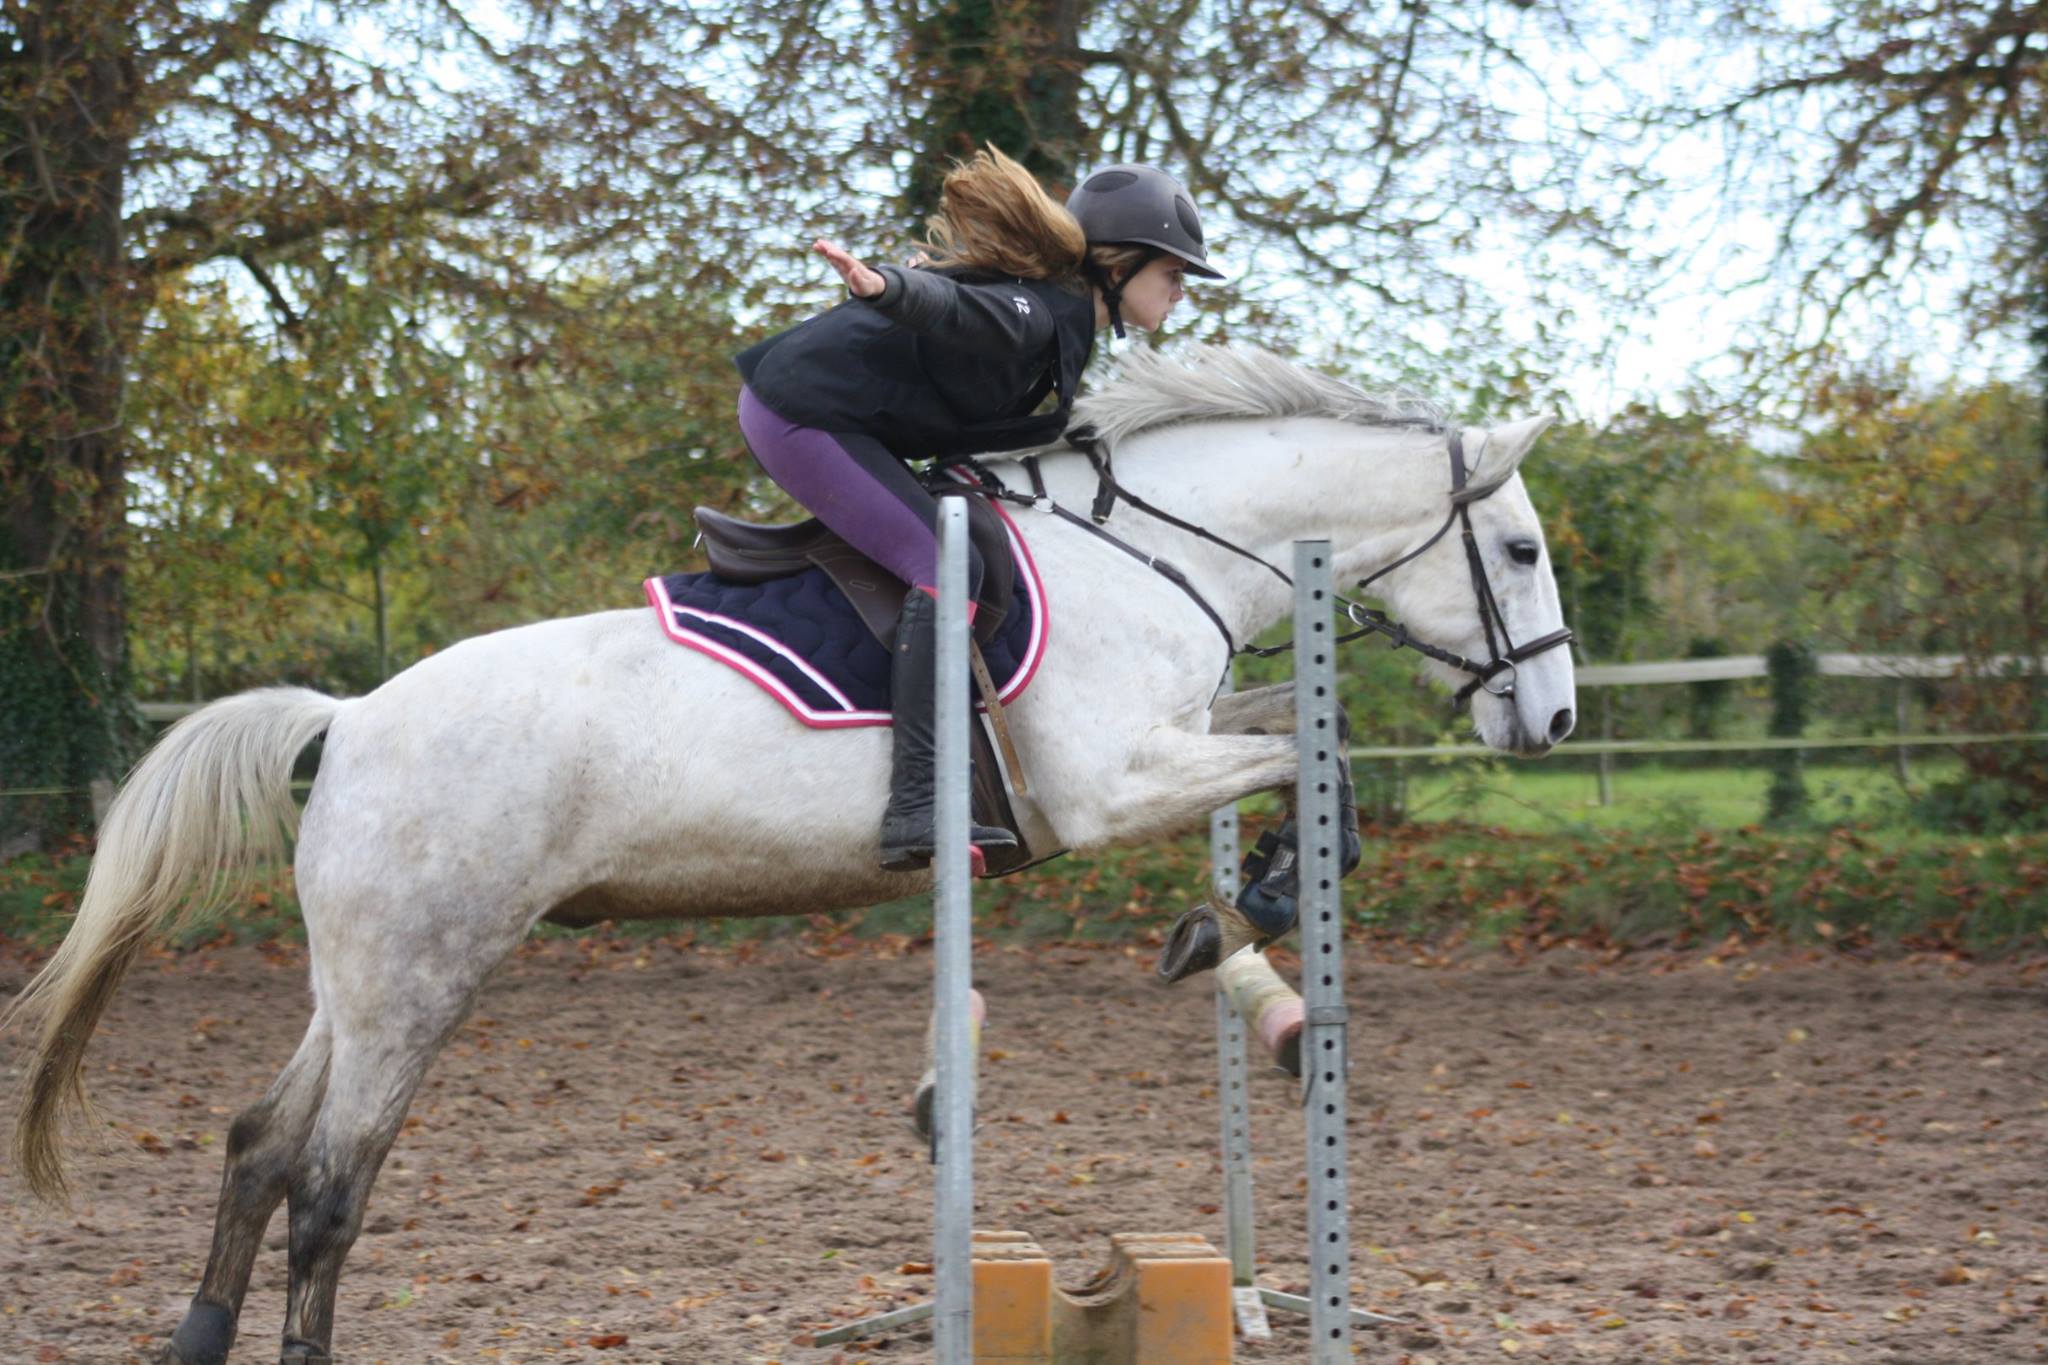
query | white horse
[588, 767]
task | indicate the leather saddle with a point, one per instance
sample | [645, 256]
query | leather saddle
[749, 552]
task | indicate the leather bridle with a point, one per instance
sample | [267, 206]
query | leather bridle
[1501, 661]
[1504, 654]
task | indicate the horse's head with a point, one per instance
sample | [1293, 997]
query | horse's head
[1495, 628]
[1497, 609]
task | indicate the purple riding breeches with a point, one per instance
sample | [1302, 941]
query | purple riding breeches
[852, 483]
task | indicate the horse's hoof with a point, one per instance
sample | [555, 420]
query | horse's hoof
[304, 1353]
[1287, 1056]
[204, 1337]
[1194, 944]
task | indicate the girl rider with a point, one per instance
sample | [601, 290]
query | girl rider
[955, 356]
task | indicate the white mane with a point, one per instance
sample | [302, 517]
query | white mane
[1153, 389]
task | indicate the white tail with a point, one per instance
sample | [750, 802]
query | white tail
[205, 810]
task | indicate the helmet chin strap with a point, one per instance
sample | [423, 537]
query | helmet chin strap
[1113, 291]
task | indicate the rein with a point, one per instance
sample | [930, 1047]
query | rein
[1370, 622]
[989, 485]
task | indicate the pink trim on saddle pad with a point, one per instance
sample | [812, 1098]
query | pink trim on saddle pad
[665, 610]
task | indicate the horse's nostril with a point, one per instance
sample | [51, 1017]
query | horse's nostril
[1560, 725]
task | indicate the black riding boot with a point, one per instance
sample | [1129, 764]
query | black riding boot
[909, 825]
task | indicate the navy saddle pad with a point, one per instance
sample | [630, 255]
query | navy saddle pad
[799, 640]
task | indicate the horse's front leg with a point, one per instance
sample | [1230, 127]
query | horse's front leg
[1270, 890]
[1267, 905]
[1261, 711]
[1174, 778]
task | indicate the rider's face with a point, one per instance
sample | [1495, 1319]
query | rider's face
[1152, 292]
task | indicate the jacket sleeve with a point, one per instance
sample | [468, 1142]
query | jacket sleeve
[974, 317]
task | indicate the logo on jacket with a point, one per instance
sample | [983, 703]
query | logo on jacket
[1023, 304]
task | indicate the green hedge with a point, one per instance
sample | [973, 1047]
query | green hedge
[1486, 884]
[1843, 886]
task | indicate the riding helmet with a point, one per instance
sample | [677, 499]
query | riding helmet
[1144, 206]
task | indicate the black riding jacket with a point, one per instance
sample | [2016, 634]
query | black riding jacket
[941, 362]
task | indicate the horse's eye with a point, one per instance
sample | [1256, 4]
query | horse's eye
[1523, 551]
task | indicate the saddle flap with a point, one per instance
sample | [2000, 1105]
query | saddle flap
[876, 594]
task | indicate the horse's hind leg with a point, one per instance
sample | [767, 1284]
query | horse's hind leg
[924, 1102]
[263, 1142]
[394, 993]
[370, 1082]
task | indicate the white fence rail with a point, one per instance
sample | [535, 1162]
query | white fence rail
[1708, 746]
[1828, 665]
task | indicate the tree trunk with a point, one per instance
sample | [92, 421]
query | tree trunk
[1000, 71]
[67, 110]
[382, 611]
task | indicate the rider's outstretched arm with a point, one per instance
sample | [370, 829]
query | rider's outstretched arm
[976, 317]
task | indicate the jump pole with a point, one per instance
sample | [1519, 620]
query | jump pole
[953, 956]
[1324, 1063]
[1160, 1299]
[1233, 1093]
[954, 1026]
[1325, 1072]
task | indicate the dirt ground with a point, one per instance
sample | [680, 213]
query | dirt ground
[647, 1151]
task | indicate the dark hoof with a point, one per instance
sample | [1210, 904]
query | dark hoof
[1194, 944]
[1287, 1056]
[203, 1338]
[924, 1120]
[304, 1353]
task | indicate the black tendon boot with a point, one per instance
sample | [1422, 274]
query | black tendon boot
[909, 832]
[1266, 907]
[1272, 873]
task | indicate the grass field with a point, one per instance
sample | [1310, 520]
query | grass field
[1558, 795]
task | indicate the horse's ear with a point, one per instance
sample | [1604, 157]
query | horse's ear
[1502, 448]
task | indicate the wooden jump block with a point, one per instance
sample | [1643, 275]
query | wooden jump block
[1013, 1298]
[1163, 1299]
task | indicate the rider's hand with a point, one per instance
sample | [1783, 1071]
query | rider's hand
[863, 282]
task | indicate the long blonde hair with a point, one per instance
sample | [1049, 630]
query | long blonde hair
[993, 215]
